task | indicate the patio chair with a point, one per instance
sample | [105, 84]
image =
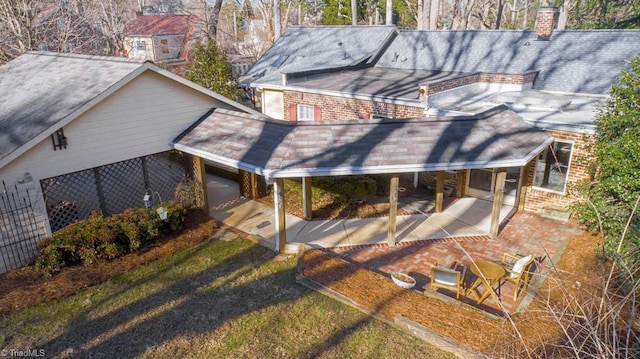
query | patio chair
[447, 278]
[517, 270]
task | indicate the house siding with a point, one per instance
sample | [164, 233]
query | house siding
[539, 199]
[341, 108]
[140, 119]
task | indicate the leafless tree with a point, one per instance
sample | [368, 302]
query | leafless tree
[16, 32]
[63, 26]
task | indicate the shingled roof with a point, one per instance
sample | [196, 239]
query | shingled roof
[150, 25]
[303, 49]
[585, 61]
[497, 138]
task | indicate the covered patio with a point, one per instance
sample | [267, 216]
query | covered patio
[496, 139]
[451, 238]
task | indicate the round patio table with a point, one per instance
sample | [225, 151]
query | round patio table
[489, 274]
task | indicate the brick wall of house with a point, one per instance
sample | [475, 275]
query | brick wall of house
[539, 199]
[440, 86]
[340, 108]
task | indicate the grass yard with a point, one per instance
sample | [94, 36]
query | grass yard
[220, 299]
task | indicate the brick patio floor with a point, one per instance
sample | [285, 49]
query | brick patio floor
[525, 233]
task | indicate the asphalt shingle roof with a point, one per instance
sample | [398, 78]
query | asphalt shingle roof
[150, 25]
[499, 138]
[318, 48]
[40, 89]
[586, 61]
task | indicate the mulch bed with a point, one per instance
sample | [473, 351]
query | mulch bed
[26, 287]
[464, 324]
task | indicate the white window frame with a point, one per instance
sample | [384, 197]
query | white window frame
[141, 45]
[565, 168]
[305, 112]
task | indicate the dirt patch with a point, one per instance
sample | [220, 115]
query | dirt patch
[465, 324]
[25, 287]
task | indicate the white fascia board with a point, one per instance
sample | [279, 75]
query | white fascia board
[346, 171]
[222, 160]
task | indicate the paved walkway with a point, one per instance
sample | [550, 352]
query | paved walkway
[451, 238]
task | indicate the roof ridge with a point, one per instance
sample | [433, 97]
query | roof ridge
[87, 57]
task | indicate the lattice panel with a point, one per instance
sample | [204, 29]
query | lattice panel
[122, 185]
[165, 171]
[70, 197]
[245, 184]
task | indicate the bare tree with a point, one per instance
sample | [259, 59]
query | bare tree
[112, 15]
[16, 32]
[62, 26]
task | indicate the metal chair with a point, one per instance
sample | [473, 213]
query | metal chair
[447, 278]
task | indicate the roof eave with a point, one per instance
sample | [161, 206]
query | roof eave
[370, 170]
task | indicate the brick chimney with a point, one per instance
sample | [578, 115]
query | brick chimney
[546, 21]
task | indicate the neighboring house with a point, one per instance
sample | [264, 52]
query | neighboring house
[81, 134]
[163, 39]
[59, 28]
[554, 80]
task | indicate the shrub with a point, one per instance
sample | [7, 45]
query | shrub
[106, 237]
[348, 189]
[189, 193]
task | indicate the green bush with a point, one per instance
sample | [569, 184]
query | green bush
[106, 237]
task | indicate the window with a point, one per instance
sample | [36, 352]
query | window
[305, 113]
[552, 167]
[141, 45]
[164, 44]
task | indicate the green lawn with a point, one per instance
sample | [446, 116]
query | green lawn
[222, 299]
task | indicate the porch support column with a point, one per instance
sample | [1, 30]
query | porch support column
[200, 174]
[416, 176]
[278, 204]
[393, 209]
[254, 186]
[306, 198]
[522, 187]
[460, 179]
[439, 191]
[498, 197]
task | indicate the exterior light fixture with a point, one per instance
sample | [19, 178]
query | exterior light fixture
[148, 202]
[148, 198]
[163, 213]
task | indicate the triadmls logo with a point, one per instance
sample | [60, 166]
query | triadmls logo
[27, 353]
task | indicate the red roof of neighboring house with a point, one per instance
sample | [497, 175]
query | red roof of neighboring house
[158, 25]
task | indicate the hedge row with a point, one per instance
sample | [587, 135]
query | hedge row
[106, 237]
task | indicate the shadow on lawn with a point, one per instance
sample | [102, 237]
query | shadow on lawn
[187, 306]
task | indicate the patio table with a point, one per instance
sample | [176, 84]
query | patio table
[489, 274]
